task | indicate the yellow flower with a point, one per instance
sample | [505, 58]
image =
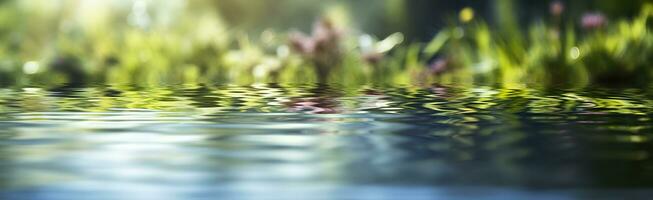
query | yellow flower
[466, 14]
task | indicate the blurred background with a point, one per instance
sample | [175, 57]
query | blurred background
[326, 98]
[505, 42]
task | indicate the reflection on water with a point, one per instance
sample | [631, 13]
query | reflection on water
[294, 141]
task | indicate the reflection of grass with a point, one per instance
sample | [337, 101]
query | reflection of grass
[456, 102]
[200, 48]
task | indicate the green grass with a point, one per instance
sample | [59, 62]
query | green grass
[44, 49]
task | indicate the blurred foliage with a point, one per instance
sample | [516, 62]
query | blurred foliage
[555, 52]
[172, 42]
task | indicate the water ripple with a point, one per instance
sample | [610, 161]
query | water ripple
[75, 139]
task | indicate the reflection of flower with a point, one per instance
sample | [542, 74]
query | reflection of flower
[315, 105]
[556, 8]
[593, 20]
[440, 91]
[373, 99]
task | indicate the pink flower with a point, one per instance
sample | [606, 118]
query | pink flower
[324, 38]
[372, 57]
[556, 8]
[438, 66]
[302, 43]
[322, 47]
[593, 20]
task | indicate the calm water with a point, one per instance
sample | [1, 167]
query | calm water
[322, 142]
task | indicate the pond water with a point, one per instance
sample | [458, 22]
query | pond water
[278, 141]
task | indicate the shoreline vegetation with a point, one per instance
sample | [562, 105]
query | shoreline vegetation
[135, 47]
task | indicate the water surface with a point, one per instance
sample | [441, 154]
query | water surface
[324, 142]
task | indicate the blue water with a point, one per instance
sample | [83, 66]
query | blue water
[272, 141]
